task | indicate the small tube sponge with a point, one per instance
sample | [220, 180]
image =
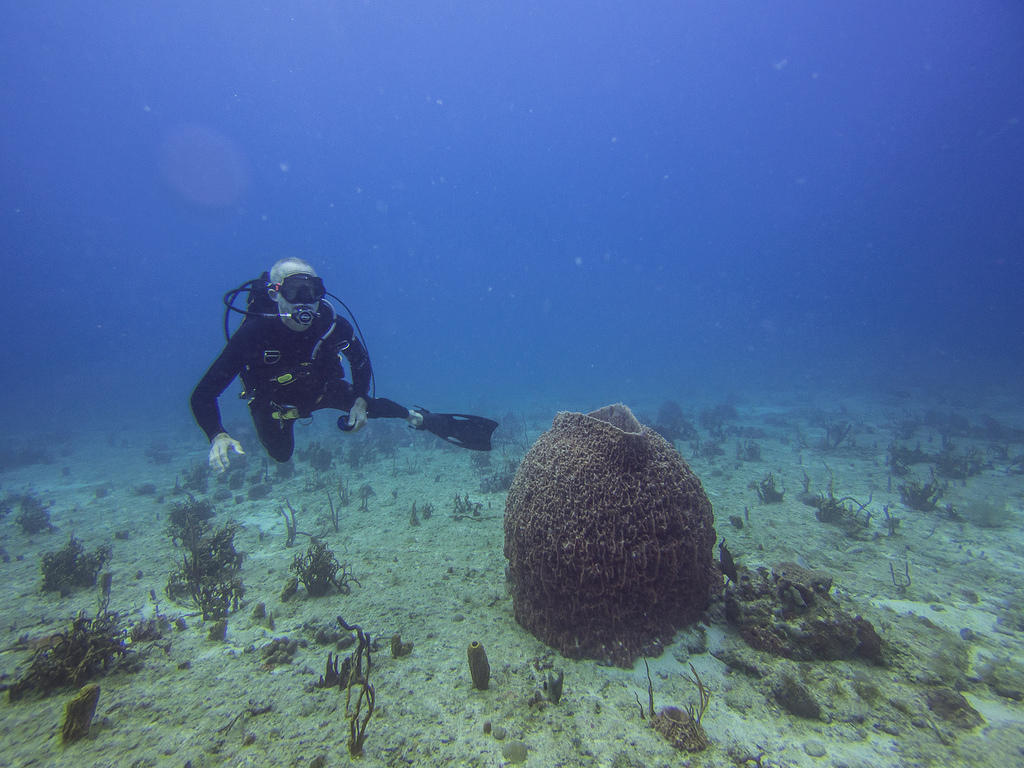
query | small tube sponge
[78, 713]
[479, 669]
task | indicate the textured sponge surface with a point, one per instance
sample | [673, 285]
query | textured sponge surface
[608, 535]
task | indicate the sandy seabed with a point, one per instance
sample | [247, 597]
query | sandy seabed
[185, 699]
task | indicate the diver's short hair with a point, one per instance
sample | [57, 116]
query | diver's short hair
[290, 266]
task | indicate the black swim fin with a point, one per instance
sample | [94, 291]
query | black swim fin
[463, 430]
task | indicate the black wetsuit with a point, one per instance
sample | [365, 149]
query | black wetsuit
[289, 374]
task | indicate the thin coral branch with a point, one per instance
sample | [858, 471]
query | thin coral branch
[697, 713]
[357, 726]
[290, 523]
[334, 512]
[650, 690]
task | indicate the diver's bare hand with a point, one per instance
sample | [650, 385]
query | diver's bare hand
[357, 415]
[220, 448]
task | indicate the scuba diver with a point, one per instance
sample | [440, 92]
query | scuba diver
[288, 353]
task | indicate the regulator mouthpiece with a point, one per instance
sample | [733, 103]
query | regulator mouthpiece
[303, 314]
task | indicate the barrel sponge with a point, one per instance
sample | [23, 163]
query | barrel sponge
[608, 536]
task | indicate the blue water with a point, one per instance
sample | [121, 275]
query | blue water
[530, 203]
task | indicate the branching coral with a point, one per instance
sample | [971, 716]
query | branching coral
[209, 573]
[72, 567]
[87, 648]
[318, 570]
[188, 520]
[768, 492]
[924, 497]
[33, 515]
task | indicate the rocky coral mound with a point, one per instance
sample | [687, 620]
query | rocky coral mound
[789, 611]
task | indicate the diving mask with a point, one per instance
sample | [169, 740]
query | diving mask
[300, 289]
